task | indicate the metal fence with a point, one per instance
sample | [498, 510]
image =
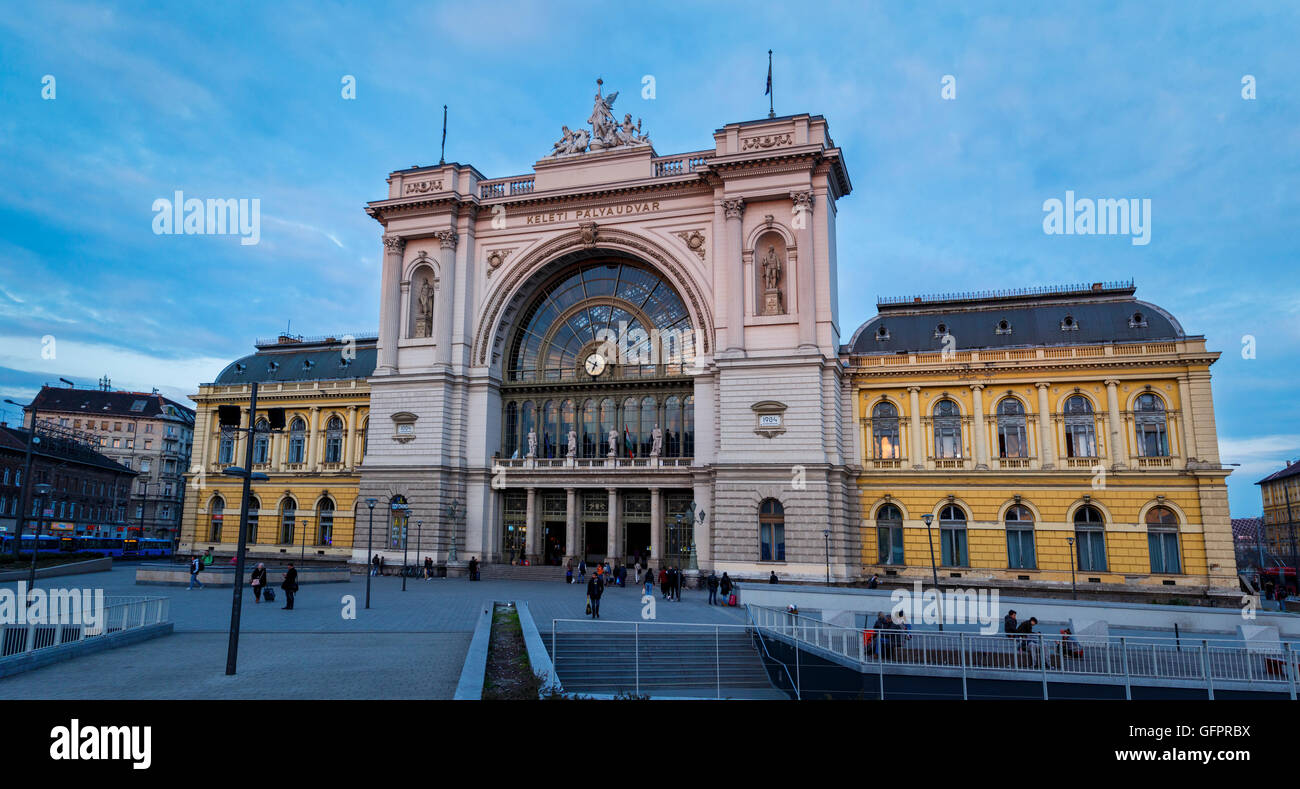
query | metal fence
[120, 613]
[1060, 658]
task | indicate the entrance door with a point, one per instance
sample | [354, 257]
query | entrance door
[638, 542]
[553, 542]
[597, 540]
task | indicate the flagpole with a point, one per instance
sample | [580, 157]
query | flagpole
[771, 96]
[442, 155]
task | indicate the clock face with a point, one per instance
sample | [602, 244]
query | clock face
[595, 364]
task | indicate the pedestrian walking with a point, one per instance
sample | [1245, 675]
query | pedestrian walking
[374, 565]
[196, 567]
[649, 583]
[428, 568]
[725, 587]
[290, 586]
[713, 588]
[258, 581]
[772, 579]
[637, 568]
[595, 588]
[663, 582]
[473, 568]
[582, 569]
[568, 574]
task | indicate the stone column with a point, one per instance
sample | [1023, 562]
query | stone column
[1046, 437]
[280, 448]
[611, 533]
[1190, 449]
[530, 526]
[807, 274]
[390, 304]
[656, 525]
[979, 427]
[918, 440]
[443, 305]
[571, 548]
[1118, 450]
[349, 447]
[735, 263]
[313, 440]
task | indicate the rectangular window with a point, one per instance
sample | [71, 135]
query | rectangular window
[117, 443]
[1020, 549]
[1092, 550]
[1163, 546]
[148, 428]
[148, 443]
[771, 542]
[144, 464]
[130, 427]
[889, 544]
[953, 547]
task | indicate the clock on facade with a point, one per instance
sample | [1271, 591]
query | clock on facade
[595, 364]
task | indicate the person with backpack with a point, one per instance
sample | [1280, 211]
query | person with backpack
[289, 585]
[196, 567]
[258, 582]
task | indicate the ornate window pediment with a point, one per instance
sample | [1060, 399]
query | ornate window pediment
[404, 426]
[769, 418]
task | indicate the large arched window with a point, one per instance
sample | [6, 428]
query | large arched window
[262, 442]
[527, 425]
[288, 514]
[631, 427]
[688, 427]
[334, 440]
[771, 531]
[649, 419]
[1011, 429]
[325, 522]
[884, 431]
[591, 304]
[550, 424]
[297, 440]
[608, 422]
[567, 425]
[952, 536]
[1162, 540]
[1090, 539]
[889, 535]
[217, 514]
[1152, 435]
[1080, 428]
[1020, 538]
[947, 430]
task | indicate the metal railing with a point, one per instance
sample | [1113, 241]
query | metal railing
[649, 656]
[1062, 658]
[120, 613]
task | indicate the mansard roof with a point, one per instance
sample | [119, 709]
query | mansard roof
[1057, 315]
[291, 358]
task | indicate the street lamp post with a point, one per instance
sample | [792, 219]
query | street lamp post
[25, 495]
[1074, 590]
[827, 534]
[306, 523]
[42, 494]
[245, 473]
[934, 568]
[404, 543]
[419, 527]
[370, 546]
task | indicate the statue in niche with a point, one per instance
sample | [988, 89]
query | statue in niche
[656, 442]
[573, 443]
[424, 310]
[532, 443]
[613, 443]
[772, 297]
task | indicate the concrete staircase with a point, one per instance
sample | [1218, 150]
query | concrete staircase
[517, 572]
[694, 662]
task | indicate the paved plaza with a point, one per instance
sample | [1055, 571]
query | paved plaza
[409, 645]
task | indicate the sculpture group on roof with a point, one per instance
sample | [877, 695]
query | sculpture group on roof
[606, 131]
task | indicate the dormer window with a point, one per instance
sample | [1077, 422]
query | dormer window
[1137, 321]
[1003, 327]
[882, 334]
[272, 366]
[239, 368]
[306, 364]
[1069, 324]
[941, 330]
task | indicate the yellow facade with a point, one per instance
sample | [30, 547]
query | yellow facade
[308, 507]
[1280, 495]
[913, 473]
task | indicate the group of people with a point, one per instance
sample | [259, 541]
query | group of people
[725, 585]
[670, 581]
[258, 580]
[889, 632]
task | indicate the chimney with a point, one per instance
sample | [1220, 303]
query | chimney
[1096, 286]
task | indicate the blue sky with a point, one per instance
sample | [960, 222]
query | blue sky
[243, 100]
